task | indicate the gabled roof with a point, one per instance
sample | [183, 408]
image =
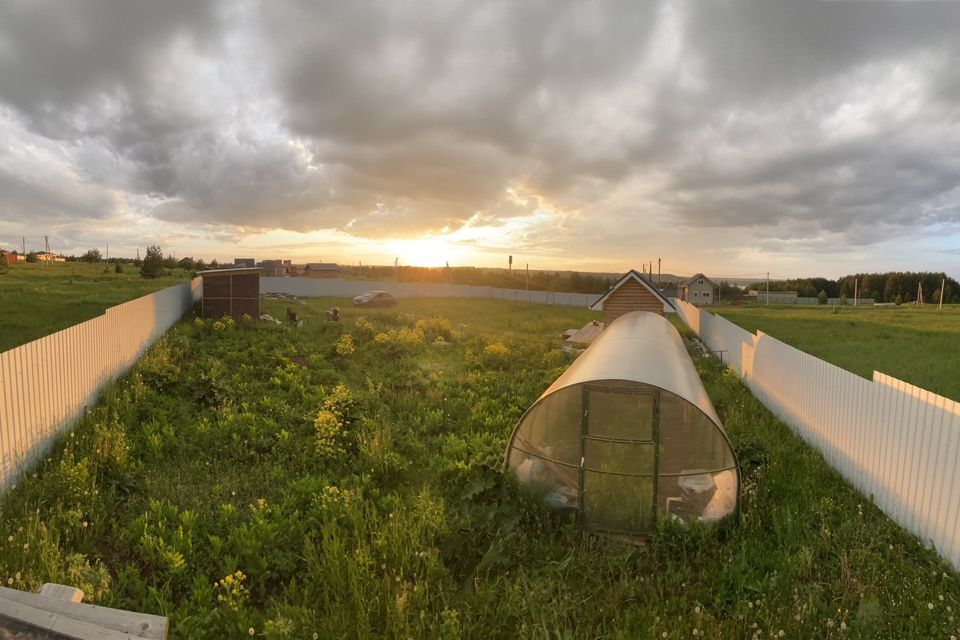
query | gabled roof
[697, 277]
[632, 275]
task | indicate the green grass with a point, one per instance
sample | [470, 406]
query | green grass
[294, 482]
[918, 345]
[40, 299]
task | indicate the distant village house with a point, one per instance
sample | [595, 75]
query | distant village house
[321, 270]
[698, 290]
[8, 257]
[47, 256]
[274, 268]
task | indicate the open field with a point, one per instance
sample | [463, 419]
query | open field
[295, 482]
[918, 345]
[39, 299]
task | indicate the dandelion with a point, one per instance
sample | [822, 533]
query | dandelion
[10, 539]
[251, 631]
[696, 610]
[17, 576]
[85, 524]
[316, 636]
[930, 606]
[26, 545]
[781, 633]
[941, 597]
[843, 626]
[9, 580]
[664, 635]
[696, 632]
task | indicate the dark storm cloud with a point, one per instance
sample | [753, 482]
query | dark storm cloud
[60, 61]
[827, 120]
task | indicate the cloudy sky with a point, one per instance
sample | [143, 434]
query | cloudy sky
[800, 137]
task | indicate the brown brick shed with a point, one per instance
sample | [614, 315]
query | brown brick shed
[231, 292]
[632, 292]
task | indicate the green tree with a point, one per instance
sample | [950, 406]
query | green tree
[32, 256]
[822, 297]
[152, 266]
[91, 256]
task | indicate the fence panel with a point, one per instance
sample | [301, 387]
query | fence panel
[317, 287]
[895, 442]
[48, 383]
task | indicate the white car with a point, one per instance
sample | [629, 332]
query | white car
[375, 299]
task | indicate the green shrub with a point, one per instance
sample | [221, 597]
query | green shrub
[364, 328]
[400, 341]
[496, 355]
[345, 346]
[435, 329]
[329, 432]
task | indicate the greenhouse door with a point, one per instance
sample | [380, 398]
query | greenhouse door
[618, 463]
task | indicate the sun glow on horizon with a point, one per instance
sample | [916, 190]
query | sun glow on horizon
[429, 251]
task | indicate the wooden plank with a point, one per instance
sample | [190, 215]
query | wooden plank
[57, 623]
[61, 592]
[129, 623]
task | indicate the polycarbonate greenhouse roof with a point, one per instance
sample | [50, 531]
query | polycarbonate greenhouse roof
[640, 347]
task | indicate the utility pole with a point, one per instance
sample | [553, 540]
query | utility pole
[919, 294]
[46, 241]
[856, 290]
[659, 286]
[943, 283]
[768, 287]
[528, 276]
[23, 245]
[510, 266]
[108, 252]
[396, 269]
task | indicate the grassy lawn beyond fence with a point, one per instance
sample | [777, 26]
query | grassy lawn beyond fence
[346, 480]
[918, 345]
[37, 299]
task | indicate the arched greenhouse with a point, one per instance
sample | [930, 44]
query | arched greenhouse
[628, 435]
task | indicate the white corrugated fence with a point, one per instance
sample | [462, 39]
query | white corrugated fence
[893, 441]
[47, 383]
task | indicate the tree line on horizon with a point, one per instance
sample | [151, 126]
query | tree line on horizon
[566, 281]
[892, 286]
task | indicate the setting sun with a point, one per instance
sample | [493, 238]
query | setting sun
[431, 251]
